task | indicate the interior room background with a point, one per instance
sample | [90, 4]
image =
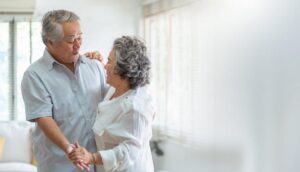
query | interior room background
[225, 74]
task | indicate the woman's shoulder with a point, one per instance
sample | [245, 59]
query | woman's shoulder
[139, 102]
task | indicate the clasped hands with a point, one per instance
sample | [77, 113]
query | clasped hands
[79, 156]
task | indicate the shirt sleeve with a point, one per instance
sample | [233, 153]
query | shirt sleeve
[133, 129]
[36, 98]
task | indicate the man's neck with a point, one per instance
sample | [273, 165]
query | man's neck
[70, 66]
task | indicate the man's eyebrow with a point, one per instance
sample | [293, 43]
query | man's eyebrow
[74, 35]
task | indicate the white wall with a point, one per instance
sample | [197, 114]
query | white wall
[250, 69]
[179, 158]
[102, 20]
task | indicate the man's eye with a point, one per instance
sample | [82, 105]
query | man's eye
[70, 40]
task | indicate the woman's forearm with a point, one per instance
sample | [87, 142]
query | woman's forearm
[97, 158]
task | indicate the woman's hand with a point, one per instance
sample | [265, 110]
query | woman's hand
[81, 155]
[94, 55]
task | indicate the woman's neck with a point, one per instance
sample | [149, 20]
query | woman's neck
[122, 88]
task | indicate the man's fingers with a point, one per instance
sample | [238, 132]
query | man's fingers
[77, 144]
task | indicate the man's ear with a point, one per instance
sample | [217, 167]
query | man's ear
[49, 42]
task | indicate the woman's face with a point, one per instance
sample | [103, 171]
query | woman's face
[112, 78]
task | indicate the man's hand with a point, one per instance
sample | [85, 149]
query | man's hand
[81, 155]
[53, 132]
[70, 149]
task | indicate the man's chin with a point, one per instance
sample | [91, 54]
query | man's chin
[75, 57]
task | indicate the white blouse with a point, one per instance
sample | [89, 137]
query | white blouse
[123, 129]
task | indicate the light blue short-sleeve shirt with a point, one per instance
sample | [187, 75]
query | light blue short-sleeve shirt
[71, 99]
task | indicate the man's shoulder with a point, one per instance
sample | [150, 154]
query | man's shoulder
[37, 67]
[94, 64]
[37, 64]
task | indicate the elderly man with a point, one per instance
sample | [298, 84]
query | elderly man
[61, 92]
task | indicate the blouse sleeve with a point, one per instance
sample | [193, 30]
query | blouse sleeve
[133, 130]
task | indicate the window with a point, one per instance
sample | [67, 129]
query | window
[20, 45]
[171, 38]
[29, 49]
[4, 73]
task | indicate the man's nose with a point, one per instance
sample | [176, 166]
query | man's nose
[77, 43]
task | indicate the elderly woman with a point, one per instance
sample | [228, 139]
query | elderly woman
[123, 125]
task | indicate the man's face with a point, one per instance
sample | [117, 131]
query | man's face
[66, 51]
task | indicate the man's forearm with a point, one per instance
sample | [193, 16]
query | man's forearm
[53, 132]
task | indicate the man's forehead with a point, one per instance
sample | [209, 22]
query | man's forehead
[71, 28]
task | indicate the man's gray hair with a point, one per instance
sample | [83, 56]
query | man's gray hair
[52, 24]
[132, 62]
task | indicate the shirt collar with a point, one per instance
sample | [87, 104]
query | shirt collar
[50, 61]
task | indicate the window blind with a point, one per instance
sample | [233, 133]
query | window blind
[175, 83]
[22, 46]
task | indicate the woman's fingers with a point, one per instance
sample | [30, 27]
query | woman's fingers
[97, 55]
[94, 55]
[78, 165]
[88, 54]
[81, 165]
[76, 157]
[85, 166]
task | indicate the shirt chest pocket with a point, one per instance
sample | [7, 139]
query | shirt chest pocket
[65, 107]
